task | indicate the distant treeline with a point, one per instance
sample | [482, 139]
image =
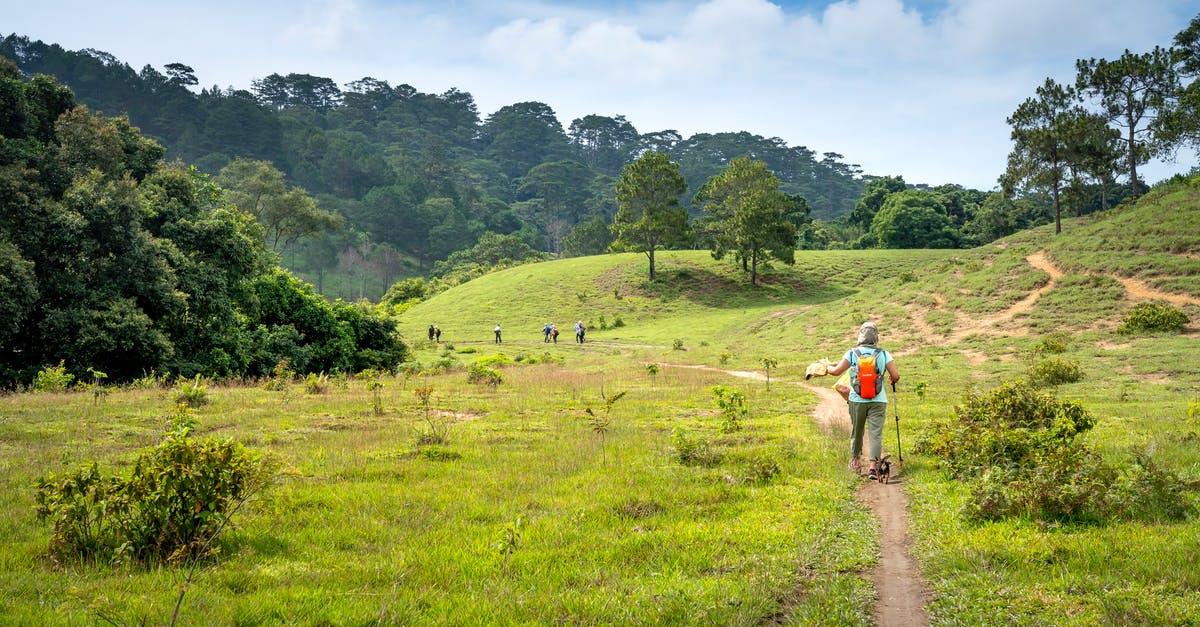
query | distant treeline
[420, 173]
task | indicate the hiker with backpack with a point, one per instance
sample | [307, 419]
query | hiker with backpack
[868, 400]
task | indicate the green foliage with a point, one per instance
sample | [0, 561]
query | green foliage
[760, 468]
[693, 451]
[1005, 428]
[1153, 317]
[1017, 449]
[191, 392]
[652, 369]
[53, 379]
[650, 217]
[1051, 343]
[177, 497]
[601, 423]
[677, 344]
[479, 372]
[316, 383]
[732, 404]
[746, 214]
[1051, 372]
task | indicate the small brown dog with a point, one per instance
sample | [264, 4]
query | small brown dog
[883, 469]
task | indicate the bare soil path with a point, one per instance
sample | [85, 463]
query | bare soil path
[901, 591]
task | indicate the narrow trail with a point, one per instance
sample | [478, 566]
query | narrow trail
[901, 592]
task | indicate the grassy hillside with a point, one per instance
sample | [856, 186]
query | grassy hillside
[545, 504]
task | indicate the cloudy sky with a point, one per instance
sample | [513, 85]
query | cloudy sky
[918, 88]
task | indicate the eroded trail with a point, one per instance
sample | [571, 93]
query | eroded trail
[901, 591]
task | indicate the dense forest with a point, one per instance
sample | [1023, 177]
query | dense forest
[117, 265]
[417, 176]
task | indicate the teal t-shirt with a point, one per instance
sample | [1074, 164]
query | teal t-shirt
[881, 361]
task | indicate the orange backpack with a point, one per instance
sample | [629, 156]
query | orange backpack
[865, 376]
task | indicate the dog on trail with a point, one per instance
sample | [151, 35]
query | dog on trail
[883, 469]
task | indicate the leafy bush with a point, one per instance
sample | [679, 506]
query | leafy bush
[677, 344]
[177, 498]
[499, 359]
[53, 379]
[733, 407]
[1052, 343]
[693, 452]
[479, 373]
[1153, 317]
[316, 383]
[1017, 448]
[191, 392]
[1050, 372]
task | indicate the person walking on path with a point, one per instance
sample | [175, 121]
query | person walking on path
[579, 332]
[868, 408]
[431, 333]
[546, 333]
[497, 330]
[437, 334]
[554, 332]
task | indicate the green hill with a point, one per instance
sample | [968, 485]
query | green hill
[585, 487]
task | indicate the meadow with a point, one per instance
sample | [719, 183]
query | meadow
[601, 483]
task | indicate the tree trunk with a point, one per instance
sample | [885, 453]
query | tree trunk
[754, 269]
[1133, 181]
[1057, 213]
[650, 253]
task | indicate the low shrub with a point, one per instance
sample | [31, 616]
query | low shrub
[1153, 317]
[191, 392]
[479, 373]
[53, 379]
[1051, 343]
[690, 451]
[316, 383]
[176, 499]
[1051, 372]
[1017, 449]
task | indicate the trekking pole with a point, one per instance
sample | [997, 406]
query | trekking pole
[896, 406]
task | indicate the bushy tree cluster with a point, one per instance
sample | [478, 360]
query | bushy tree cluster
[112, 259]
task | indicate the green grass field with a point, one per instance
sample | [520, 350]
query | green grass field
[533, 512]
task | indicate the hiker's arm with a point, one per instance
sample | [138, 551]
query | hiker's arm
[841, 367]
[892, 373]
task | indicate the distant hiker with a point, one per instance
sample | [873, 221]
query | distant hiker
[868, 398]
[579, 332]
[546, 332]
[497, 330]
[554, 332]
[431, 333]
[437, 334]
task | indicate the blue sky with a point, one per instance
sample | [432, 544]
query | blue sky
[917, 88]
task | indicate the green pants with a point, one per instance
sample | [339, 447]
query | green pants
[869, 417]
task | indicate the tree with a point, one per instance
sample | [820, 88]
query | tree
[592, 237]
[287, 214]
[748, 215]
[522, 135]
[649, 216]
[913, 219]
[875, 191]
[563, 188]
[1131, 91]
[1179, 120]
[1040, 151]
[605, 143]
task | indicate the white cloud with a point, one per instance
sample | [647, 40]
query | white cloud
[326, 26]
[919, 92]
